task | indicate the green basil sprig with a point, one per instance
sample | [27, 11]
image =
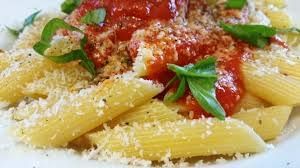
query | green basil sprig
[27, 22]
[235, 4]
[68, 6]
[49, 31]
[94, 17]
[201, 78]
[257, 35]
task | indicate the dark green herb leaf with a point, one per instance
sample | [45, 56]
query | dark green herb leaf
[49, 31]
[27, 22]
[257, 35]
[30, 19]
[12, 31]
[191, 72]
[201, 78]
[94, 17]
[179, 93]
[204, 92]
[235, 4]
[68, 6]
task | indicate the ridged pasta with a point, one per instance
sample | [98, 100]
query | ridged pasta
[4, 62]
[291, 67]
[180, 139]
[25, 110]
[249, 101]
[279, 18]
[277, 3]
[150, 112]
[20, 73]
[70, 78]
[79, 113]
[266, 122]
[273, 87]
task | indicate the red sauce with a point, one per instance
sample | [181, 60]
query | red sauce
[189, 46]
[176, 44]
[123, 18]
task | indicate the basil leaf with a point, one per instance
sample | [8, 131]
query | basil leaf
[201, 78]
[94, 17]
[257, 35]
[49, 31]
[27, 22]
[68, 6]
[203, 91]
[178, 94]
[13, 32]
[30, 19]
[186, 71]
[235, 4]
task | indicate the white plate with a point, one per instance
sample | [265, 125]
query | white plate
[13, 155]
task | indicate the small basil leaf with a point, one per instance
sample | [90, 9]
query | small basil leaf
[178, 94]
[49, 31]
[257, 35]
[203, 91]
[27, 22]
[30, 19]
[94, 17]
[189, 72]
[13, 32]
[68, 6]
[235, 4]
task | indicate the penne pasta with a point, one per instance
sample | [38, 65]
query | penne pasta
[20, 73]
[4, 62]
[277, 3]
[266, 122]
[249, 101]
[150, 112]
[70, 78]
[25, 110]
[273, 87]
[180, 139]
[279, 19]
[290, 67]
[79, 113]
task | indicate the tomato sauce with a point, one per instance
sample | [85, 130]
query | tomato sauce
[171, 42]
[123, 18]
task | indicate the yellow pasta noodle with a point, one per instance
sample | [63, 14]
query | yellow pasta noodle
[15, 77]
[4, 62]
[287, 67]
[277, 3]
[273, 87]
[69, 78]
[79, 113]
[249, 101]
[153, 111]
[279, 18]
[25, 110]
[266, 122]
[180, 139]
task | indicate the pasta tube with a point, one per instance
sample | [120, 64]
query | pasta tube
[79, 113]
[180, 139]
[266, 122]
[275, 88]
[150, 112]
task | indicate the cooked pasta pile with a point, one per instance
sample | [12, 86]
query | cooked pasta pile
[122, 110]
